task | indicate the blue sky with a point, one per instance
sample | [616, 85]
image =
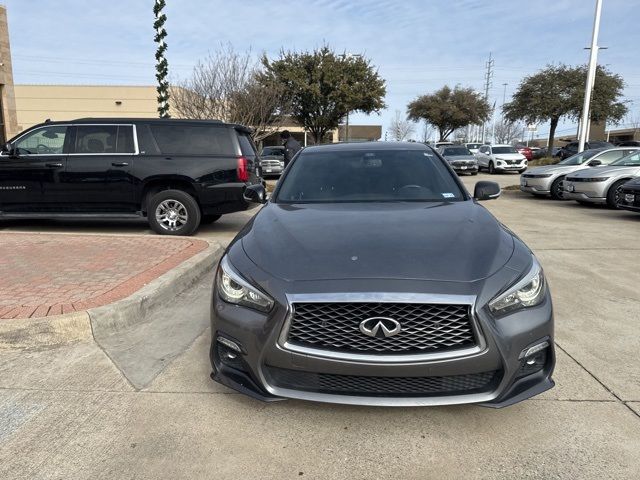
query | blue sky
[418, 45]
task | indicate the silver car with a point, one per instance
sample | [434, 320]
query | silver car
[272, 161]
[460, 159]
[548, 179]
[602, 184]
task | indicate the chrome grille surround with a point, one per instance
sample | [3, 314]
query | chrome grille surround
[471, 343]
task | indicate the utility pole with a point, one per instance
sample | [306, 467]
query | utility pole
[488, 82]
[591, 77]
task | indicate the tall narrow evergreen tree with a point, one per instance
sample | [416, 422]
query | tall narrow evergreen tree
[162, 66]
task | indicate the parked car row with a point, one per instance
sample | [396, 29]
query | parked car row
[602, 176]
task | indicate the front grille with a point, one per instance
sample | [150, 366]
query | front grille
[270, 163]
[383, 386]
[464, 163]
[425, 327]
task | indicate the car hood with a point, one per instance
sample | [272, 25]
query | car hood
[555, 169]
[607, 170]
[457, 241]
[451, 158]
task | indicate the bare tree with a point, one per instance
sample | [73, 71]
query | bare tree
[401, 128]
[224, 86]
[427, 132]
[507, 132]
[633, 120]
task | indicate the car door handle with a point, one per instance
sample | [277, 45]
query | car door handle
[120, 164]
[54, 165]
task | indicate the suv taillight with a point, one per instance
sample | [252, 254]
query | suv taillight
[243, 169]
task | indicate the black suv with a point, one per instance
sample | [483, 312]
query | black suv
[177, 173]
[571, 149]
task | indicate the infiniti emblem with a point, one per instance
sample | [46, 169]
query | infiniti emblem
[380, 327]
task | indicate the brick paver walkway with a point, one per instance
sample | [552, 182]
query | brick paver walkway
[48, 274]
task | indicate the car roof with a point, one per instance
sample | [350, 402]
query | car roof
[356, 146]
[189, 121]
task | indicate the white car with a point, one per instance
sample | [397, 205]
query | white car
[501, 158]
[548, 179]
[602, 184]
[473, 147]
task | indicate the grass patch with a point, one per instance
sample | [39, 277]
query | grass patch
[511, 187]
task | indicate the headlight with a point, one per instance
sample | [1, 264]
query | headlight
[596, 179]
[234, 289]
[527, 292]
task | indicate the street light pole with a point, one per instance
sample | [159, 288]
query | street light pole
[591, 76]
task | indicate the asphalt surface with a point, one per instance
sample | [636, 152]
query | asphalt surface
[73, 412]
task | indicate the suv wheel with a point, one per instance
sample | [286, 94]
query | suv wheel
[614, 193]
[556, 189]
[173, 212]
[492, 168]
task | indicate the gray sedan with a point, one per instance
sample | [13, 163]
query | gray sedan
[548, 179]
[372, 277]
[460, 159]
[602, 184]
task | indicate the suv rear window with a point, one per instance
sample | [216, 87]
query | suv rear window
[246, 145]
[193, 140]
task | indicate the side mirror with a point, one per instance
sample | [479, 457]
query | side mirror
[7, 148]
[255, 194]
[486, 191]
[595, 163]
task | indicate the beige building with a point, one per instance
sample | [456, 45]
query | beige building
[8, 122]
[37, 103]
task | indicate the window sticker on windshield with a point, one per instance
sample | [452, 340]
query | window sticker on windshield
[448, 195]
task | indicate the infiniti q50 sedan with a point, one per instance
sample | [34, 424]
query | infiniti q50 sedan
[372, 277]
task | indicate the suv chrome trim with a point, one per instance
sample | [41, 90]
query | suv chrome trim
[383, 297]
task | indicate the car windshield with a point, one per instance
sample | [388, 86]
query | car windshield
[632, 160]
[376, 175]
[504, 150]
[456, 151]
[277, 151]
[474, 145]
[579, 158]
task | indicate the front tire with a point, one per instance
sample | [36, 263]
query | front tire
[492, 168]
[556, 189]
[173, 212]
[614, 193]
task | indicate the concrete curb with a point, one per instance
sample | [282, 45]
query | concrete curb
[48, 332]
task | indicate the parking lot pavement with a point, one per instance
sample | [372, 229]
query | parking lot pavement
[71, 413]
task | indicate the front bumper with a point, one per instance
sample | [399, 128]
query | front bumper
[501, 341]
[465, 168]
[630, 200]
[591, 192]
[537, 186]
[266, 170]
[510, 168]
